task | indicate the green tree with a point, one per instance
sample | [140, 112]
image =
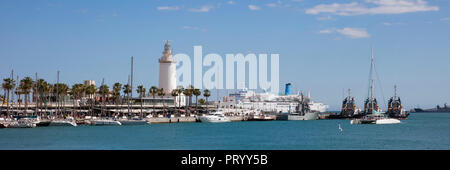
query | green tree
[175, 93]
[26, 84]
[196, 93]
[153, 91]
[90, 91]
[206, 94]
[61, 91]
[162, 93]
[141, 90]
[8, 84]
[76, 92]
[117, 87]
[188, 93]
[127, 91]
[104, 91]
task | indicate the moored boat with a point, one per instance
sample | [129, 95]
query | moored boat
[63, 122]
[375, 119]
[22, 123]
[214, 117]
[303, 111]
[103, 121]
[133, 121]
[348, 110]
[395, 107]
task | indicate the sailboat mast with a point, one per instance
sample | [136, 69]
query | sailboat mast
[36, 98]
[57, 94]
[103, 99]
[371, 79]
[131, 84]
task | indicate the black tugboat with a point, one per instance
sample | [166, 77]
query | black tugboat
[395, 108]
[349, 109]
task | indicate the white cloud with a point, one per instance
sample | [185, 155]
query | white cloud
[328, 31]
[271, 5]
[253, 7]
[193, 28]
[325, 18]
[204, 8]
[373, 7]
[167, 8]
[230, 3]
[392, 23]
[354, 32]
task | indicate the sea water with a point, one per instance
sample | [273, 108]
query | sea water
[420, 131]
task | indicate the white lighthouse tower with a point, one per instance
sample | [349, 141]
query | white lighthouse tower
[167, 70]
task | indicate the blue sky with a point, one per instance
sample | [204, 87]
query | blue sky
[324, 46]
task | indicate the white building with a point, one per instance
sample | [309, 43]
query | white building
[167, 70]
[168, 76]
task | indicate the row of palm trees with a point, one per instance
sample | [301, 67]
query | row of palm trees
[44, 92]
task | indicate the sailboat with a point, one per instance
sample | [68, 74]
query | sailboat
[102, 120]
[372, 113]
[61, 122]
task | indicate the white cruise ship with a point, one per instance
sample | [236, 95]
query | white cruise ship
[267, 102]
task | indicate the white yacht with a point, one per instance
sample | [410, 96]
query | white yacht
[133, 121]
[22, 123]
[214, 117]
[375, 119]
[102, 121]
[70, 121]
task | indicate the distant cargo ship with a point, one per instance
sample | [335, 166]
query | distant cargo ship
[444, 109]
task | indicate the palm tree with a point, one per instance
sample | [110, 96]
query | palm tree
[38, 90]
[90, 91]
[8, 84]
[18, 93]
[190, 88]
[153, 91]
[76, 92]
[127, 91]
[188, 93]
[196, 93]
[175, 93]
[26, 84]
[61, 90]
[162, 93]
[116, 93]
[206, 94]
[103, 90]
[46, 92]
[141, 90]
[180, 91]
